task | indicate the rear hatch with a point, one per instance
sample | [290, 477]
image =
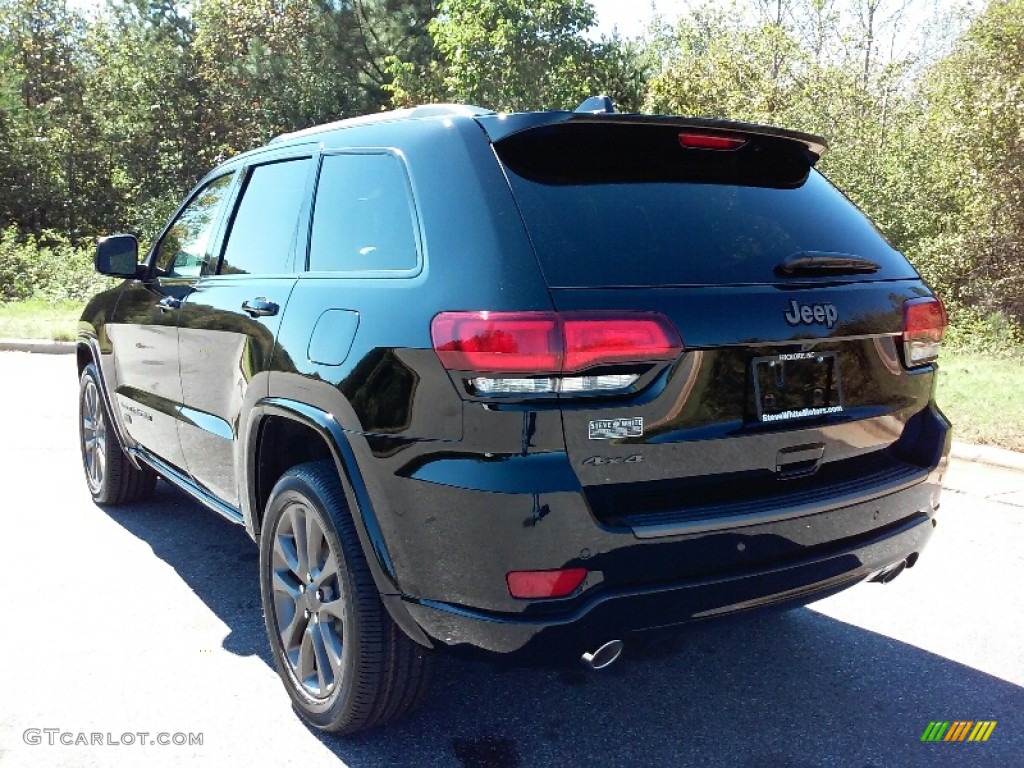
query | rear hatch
[793, 390]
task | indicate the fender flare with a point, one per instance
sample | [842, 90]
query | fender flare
[371, 537]
[91, 344]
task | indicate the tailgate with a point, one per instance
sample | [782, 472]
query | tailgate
[705, 442]
[793, 389]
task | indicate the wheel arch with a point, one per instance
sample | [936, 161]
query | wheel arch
[274, 420]
[88, 351]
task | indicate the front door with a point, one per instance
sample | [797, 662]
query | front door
[148, 391]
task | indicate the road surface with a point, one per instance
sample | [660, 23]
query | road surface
[147, 620]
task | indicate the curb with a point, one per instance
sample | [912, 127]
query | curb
[988, 454]
[38, 346]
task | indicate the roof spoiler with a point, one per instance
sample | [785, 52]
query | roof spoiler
[599, 109]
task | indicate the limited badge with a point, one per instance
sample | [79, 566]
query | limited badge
[610, 429]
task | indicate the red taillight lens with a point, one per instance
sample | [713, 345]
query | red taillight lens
[512, 342]
[613, 339]
[710, 141]
[924, 324]
[541, 584]
[550, 342]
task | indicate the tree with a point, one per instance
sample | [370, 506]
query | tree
[41, 116]
[973, 171]
[271, 66]
[509, 55]
[146, 100]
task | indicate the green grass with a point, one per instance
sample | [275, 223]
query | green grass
[984, 398]
[35, 319]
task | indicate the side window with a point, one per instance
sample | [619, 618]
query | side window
[263, 227]
[363, 216]
[184, 249]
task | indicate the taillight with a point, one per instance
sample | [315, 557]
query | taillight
[541, 584]
[710, 141]
[527, 342]
[542, 347]
[924, 323]
[597, 339]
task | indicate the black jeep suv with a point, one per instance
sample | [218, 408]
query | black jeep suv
[530, 383]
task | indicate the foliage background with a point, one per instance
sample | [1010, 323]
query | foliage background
[107, 119]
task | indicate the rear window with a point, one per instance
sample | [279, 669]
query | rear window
[626, 205]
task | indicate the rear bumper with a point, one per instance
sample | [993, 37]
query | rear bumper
[619, 614]
[453, 544]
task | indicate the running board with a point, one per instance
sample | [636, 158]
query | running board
[187, 484]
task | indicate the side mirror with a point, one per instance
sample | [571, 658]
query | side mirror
[117, 256]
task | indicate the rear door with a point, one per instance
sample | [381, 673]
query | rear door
[789, 303]
[231, 318]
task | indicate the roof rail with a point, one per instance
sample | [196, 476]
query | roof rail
[424, 110]
[440, 110]
[596, 105]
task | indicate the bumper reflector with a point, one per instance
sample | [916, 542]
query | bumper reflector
[541, 584]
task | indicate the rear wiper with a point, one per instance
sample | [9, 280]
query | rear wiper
[803, 262]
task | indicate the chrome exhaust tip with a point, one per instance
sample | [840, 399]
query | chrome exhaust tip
[892, 573]
[604, 656]
[888, 574]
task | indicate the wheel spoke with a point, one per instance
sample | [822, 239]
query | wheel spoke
[333, 645]
[328, 571]
[335, 607]
[284, 552]
[314, 543]
[304, 668]
[299, 522]
[292, 634]
[89, 450]
[323, 664]
[285, 583]
[89, 405]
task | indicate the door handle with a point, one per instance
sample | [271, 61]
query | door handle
[259, 307]
[168, 303]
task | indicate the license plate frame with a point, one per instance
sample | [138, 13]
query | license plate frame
[797, 385]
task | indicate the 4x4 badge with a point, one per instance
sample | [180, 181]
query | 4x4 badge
[601, 461]
[609, 429]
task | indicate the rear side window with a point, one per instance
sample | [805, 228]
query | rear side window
[626, 205]
[265, 221]
[363, 218]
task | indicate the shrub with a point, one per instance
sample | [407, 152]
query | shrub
[47, 268]
[974, 330]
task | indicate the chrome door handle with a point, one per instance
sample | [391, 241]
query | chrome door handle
[168, 303]
[259, 307]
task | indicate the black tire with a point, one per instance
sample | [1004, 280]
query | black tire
[325, 619]
[111, 477]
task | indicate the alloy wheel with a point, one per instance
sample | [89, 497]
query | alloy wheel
[308, 605]
[94, 437]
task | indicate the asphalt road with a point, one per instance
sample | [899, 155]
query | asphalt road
[147, 619]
